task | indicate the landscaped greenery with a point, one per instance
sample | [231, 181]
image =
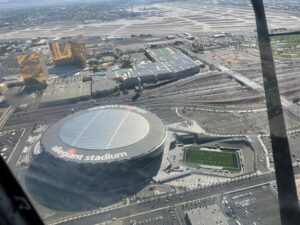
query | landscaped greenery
[161, 52]
[287, 46]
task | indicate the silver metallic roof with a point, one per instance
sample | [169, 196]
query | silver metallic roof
[105, 133]
[104, 129]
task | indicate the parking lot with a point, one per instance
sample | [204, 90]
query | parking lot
[161, 217]
[168, 115]
[230, 123]
[207, 214]
[257, 205]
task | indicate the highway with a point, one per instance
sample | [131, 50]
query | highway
[175, 100]
[12, 160]
[52, 114]
[6, 115]
[95, 217]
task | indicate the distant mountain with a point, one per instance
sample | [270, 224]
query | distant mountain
[24, 1]
[31, 1]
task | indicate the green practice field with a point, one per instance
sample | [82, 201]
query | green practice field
[161, 52]
[286, 45]
[227, 159]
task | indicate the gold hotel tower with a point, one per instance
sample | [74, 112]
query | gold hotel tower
[68, 51]
[32, 67]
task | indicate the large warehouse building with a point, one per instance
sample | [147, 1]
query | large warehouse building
[103, 151]
[163, 64]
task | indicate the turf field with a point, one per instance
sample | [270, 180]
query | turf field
[286, 45]
[227, 159]
[161, 52]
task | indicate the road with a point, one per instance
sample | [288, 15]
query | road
[44, 115]
[13, 158]
[6, 115]
[165, 202]
[261, 157]
[52, 114]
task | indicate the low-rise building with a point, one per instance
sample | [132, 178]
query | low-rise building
[206, 215]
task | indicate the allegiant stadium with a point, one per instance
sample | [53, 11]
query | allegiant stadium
[108, 150]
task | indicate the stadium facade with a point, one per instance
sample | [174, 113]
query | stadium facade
[108, 150]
